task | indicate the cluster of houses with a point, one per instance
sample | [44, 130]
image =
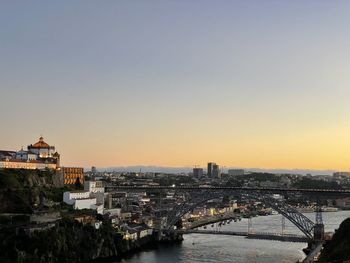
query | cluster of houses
[127, 220]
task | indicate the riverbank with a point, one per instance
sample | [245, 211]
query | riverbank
[223, 249]
[70, 241]
[147, 247]
[337, 249]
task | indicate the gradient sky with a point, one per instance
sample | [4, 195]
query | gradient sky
[177, 83]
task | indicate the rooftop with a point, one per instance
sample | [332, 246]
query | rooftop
[40, 144]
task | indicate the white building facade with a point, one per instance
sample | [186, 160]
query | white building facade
[91, 197]
[38, 156]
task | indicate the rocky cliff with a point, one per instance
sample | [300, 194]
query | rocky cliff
[21, 191]
[337, 250]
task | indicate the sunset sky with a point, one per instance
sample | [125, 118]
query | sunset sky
[176, 83]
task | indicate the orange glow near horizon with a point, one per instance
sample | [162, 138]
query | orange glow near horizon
[314, 150]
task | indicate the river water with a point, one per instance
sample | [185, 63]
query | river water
[220, 248]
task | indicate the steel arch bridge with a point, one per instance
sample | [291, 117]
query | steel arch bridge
[202, 196]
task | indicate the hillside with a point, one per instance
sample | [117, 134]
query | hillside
[21, 191]
[338, 249]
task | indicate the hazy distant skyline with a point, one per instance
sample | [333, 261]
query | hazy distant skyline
[178, 83]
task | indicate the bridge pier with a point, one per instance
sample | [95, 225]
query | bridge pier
[250, 225]
[319, 233]
[319, 226]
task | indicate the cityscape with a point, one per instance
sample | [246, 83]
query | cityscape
[174, 131]
[143, 209]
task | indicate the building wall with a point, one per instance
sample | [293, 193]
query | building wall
[69, 197]
[100, 197]
[343, 203]
[115, 211]
[85, 203]
[42, 152]
[70, 175]
[216, 171]
[85, 200]
[94, 186]
[22, 155]
[27, 165]
[143, 233]
[197, 172]
[99, 208]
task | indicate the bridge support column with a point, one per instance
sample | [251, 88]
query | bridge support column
[283, 225]
[250, 225]
[319, 226]
[319, 232]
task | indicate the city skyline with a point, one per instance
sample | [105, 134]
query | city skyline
[243, 84]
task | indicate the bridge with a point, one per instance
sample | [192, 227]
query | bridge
[196, 196]
[254, 235]
[336, 192]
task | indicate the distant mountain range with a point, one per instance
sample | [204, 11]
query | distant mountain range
[179, 170]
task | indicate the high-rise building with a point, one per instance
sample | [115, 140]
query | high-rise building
[215, 171]
[197, 172]
[93, 170]
[210, 169]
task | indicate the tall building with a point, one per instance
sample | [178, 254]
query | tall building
[210, 169]
[198, 172]
[93, 170]
[215, 171]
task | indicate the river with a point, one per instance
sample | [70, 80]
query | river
[220, 249]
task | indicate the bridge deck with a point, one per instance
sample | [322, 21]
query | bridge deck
[227, 188]
[255, 235]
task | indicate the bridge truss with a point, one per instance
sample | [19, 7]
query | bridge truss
[200, 197]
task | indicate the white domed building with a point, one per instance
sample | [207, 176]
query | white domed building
[42, 149]
[39, 155]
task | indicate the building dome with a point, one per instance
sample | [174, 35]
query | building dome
[40, 144]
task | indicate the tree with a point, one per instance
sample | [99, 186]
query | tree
[179, 224]
[226, 199]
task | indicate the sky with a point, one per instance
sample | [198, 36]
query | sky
[178, 83]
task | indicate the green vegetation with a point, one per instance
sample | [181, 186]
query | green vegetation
[174, 180]
[238, 181]
[70, 241]
[337, 250]
[261, 177]
[235, 182]
[22, 191]
[308, 183]
[19, 178]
